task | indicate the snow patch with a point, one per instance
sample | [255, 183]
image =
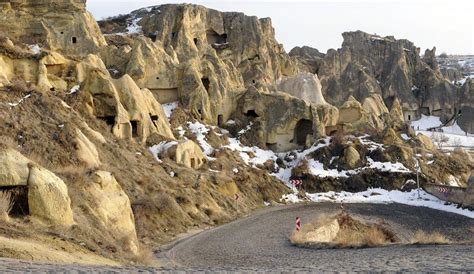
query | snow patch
[156, 150]
[378, 195]
[168, 108]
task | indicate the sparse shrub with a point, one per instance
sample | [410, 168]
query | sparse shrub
[422, 237]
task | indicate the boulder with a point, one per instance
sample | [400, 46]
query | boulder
[351, 157]
[108, 209]
[187, 153]
[48, 198]
[391, 137]
[323, 234]
[426, 141]
[14, 169]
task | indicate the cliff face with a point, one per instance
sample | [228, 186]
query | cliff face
[369, 64]
[64, 26]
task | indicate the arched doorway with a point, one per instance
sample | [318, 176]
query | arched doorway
[303, 128]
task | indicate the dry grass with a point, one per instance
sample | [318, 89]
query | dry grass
[352, 232]
[422, 237]
[6, 204]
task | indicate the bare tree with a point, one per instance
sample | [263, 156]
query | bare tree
[456, 142]
[440, 139]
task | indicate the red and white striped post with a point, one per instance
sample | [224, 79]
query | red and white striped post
[298, 224]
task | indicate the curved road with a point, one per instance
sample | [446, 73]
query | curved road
[260, 243]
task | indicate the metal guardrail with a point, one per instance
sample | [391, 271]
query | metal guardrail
[459, 195]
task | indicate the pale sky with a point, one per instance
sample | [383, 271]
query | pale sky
[448, 25]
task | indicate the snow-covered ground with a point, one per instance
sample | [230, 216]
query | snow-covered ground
[254, 156]
[455, 135]
[378, 195]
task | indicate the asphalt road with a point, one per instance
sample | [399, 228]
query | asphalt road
[260, 243]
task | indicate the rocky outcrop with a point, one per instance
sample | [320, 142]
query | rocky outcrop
[108, 209]
[305, 86]
[47, 195]
[292, 123]
[186, 153]
[67, 28]
[48, 198]
[369, 64]
[307, 58]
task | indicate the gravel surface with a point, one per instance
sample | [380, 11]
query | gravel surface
[260, 243]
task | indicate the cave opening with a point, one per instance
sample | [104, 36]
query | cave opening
[74, 40]
[220, 120]
[302, 130]
[18, 196]
[251, 113]
[206, 83]
[134, 128]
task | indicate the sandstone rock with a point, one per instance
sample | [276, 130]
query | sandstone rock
[361, 68]
[187, 153]
[307, 58]
[109, 209]
[396, 114]
[48, 198]
[305, 86]
[14, 169]
[391, 137]
[323, 234]
[86, 150]
[290, 123]
[67, 27]
[426, 141]
[351, 157]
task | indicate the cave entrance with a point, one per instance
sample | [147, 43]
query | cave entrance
[74, 40]
[18, 195]
[206, 83]
[251, 113]
[134, 128]
[302, 130]
[215, 38]
[220, 120]
[193, 163]
[195, 41]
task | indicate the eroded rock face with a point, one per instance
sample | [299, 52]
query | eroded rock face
[109, 209]
[187, 153]
[307, 58]
[48, 198]
[369, 64]
[67, 28]
[292, 123]
[305, 86]
[14, 169]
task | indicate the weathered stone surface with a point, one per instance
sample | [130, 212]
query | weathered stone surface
[109, 209]
[426, 141]
[351, 157]
[48, 198]
[292, 121]
[86, 150]
[305, 86]
[307, 58]
[67, 28]
[369, 64]
[187, 153]
[14, 169]
[323, 234]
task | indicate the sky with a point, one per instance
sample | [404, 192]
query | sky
[448, 25]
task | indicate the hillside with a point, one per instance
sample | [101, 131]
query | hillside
[116, 136]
